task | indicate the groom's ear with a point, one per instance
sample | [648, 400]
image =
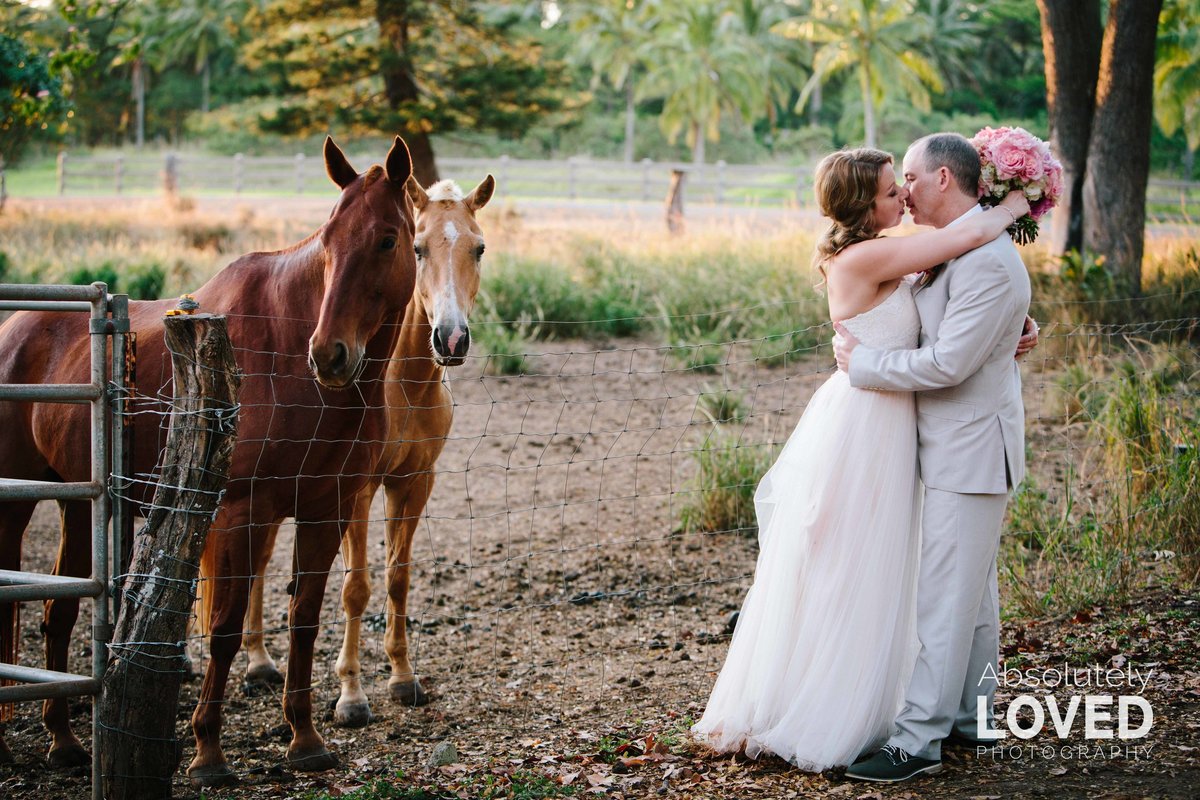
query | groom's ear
[945, 179]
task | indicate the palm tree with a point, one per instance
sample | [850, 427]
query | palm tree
[703, 66]
[1177, 75]
[782, 60]
[884, 42]
[197, 31]
[612, 35]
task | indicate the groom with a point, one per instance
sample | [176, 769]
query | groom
[970, 426]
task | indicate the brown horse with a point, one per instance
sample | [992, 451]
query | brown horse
[449, 246]
[330, 306]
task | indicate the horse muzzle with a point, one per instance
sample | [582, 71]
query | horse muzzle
[335, 365]
[450, 344]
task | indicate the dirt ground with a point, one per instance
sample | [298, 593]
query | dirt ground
[570, 631]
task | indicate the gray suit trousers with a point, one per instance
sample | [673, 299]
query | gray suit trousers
[957, 620]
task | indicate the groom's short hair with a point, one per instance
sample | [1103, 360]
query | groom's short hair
[956, 153]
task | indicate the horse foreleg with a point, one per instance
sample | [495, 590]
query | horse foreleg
[406, 499]
[316, 545]
[237, 544]
[261, 668]
[74, 560]
[353, 710]
[12, 532]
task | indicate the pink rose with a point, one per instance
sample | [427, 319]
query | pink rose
[1035, 168]
[1010, 159]
[1054, 180]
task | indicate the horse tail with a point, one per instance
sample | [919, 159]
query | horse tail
[204, 590]
[10, 633]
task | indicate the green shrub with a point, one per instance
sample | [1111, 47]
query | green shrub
[728, 472]
[720, 406]
[147, 282]
[105, 273]
[503, 347]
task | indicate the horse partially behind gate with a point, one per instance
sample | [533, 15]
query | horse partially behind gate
[330, 306]
[436, 335]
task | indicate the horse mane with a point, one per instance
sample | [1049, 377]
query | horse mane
[444, 190]
[374, 173]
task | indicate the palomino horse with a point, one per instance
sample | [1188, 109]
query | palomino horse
[435, 335]
[331, 305]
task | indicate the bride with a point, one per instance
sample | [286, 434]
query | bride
[825, 641]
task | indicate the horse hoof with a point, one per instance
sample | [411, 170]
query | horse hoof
[409, 693]
[211, 775]
[352, 715]
[264, 673]
[67, 756]
[315, 761]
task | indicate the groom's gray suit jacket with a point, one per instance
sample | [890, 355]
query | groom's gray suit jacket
[970, 420]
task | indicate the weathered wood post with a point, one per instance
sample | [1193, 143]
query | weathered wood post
[140, 692]
[675, 224]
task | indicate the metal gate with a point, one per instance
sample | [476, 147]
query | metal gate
[109, 317]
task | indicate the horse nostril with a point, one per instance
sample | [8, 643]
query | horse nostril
[439, 346]
[463, 344]
[341, 356]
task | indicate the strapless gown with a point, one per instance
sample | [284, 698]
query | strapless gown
[825, 642]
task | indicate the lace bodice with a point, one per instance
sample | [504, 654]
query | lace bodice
[892, 325]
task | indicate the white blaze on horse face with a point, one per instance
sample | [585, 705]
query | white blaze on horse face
[447, 307]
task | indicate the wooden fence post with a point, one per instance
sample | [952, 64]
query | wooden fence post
[140, 691]
[675, 224]
[299, 173]
[62, 171]
[171, 177]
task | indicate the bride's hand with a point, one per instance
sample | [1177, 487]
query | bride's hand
[1016, 203]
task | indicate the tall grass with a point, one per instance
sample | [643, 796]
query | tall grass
[696, 295]
[145, 250]
[1126, 511]
[722, 497]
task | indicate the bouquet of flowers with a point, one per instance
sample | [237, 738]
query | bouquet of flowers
[1013, 159]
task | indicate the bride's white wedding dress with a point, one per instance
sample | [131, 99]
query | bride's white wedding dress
[825, 641]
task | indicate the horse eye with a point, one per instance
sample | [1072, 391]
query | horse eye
[388, 243]
[420, 251]
[479, 252]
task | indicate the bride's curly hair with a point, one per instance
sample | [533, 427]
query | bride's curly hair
[846, 184]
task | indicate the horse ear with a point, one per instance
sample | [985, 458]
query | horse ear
[399, 162]
[416, 193]
[479, 196]
[336, 165]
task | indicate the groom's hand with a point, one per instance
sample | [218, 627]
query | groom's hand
[843, 346]
[1029, 337]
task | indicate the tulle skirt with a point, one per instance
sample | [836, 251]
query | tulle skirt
[825, 641]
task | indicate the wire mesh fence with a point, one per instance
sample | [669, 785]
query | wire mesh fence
[591, 526]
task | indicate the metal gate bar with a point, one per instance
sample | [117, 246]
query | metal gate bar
[18, 586]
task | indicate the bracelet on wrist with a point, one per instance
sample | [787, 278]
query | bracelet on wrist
[1010, 213]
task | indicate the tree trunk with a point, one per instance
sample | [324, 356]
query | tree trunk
[205, 74]
[630, 112]
[399, 83]
[814, 105]
[864, 79]
[698, 143]
[1071, 35]
[1118, 166]
[139, 97]
[140, 691]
